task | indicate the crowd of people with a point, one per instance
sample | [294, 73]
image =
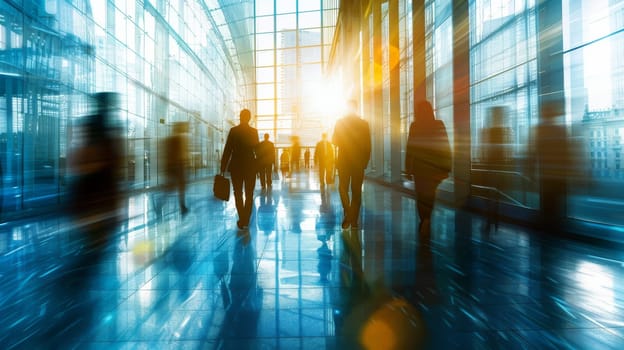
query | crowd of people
[96, 193]
[428, 161]
[96, 196]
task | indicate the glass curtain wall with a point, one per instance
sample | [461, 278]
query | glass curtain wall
[439, 60]
[377, 66]
[407, 70]
[293, 40]
[593, 37]
[168, 60]
[503, 74]
[505, 92]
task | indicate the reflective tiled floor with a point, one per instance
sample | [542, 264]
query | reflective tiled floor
[295, 280]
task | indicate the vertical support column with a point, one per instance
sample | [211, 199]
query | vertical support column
[578, 97]
[298, 123]
[351, 47]
[395, 93]
[275, 90]
[377, 103]
[550, 55]
[354, 47]
[419, 49]
[160, 103]
[10, 169]
[31, 88]
[367, 67]
[461, 102]
[551, 106]
[110, 50]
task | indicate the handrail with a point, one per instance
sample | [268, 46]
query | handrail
[500, 193]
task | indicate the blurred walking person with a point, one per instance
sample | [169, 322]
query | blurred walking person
[353, 143]
[239, 158]
[306, 158]
[555, 159]
[295, 155]
[95, 195]
[95, 203]
[266, 162]
[176, 162]
[285, 163]
[497, 151]
[324, 160]
[428, 161]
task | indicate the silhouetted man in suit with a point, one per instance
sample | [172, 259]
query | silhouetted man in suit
[266, 161]
[353, 142]
[239, 157]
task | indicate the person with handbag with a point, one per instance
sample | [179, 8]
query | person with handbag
[239, 158]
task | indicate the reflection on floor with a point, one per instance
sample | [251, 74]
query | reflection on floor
[296, 280]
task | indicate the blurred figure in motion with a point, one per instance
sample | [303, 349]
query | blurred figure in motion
[285, 163]
[353, 142]
[324, 160]
[427, 160]
[239, 157]
[95, 202]
[497, 151]
[266, 162]
[554, 158]
[96, 196]
[295, 155]
[176, 154]
[306, 158]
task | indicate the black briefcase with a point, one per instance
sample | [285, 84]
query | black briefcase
[221, 188]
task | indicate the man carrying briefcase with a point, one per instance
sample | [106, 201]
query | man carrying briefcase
[239, 157]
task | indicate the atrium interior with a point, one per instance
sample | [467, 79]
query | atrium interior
[523, 251]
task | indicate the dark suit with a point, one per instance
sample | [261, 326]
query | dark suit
[353, 142]
[239, 157]
[266, 161]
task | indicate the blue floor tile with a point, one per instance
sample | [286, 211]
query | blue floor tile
[296, 280]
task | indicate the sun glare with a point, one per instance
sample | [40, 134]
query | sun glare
[331, 103]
